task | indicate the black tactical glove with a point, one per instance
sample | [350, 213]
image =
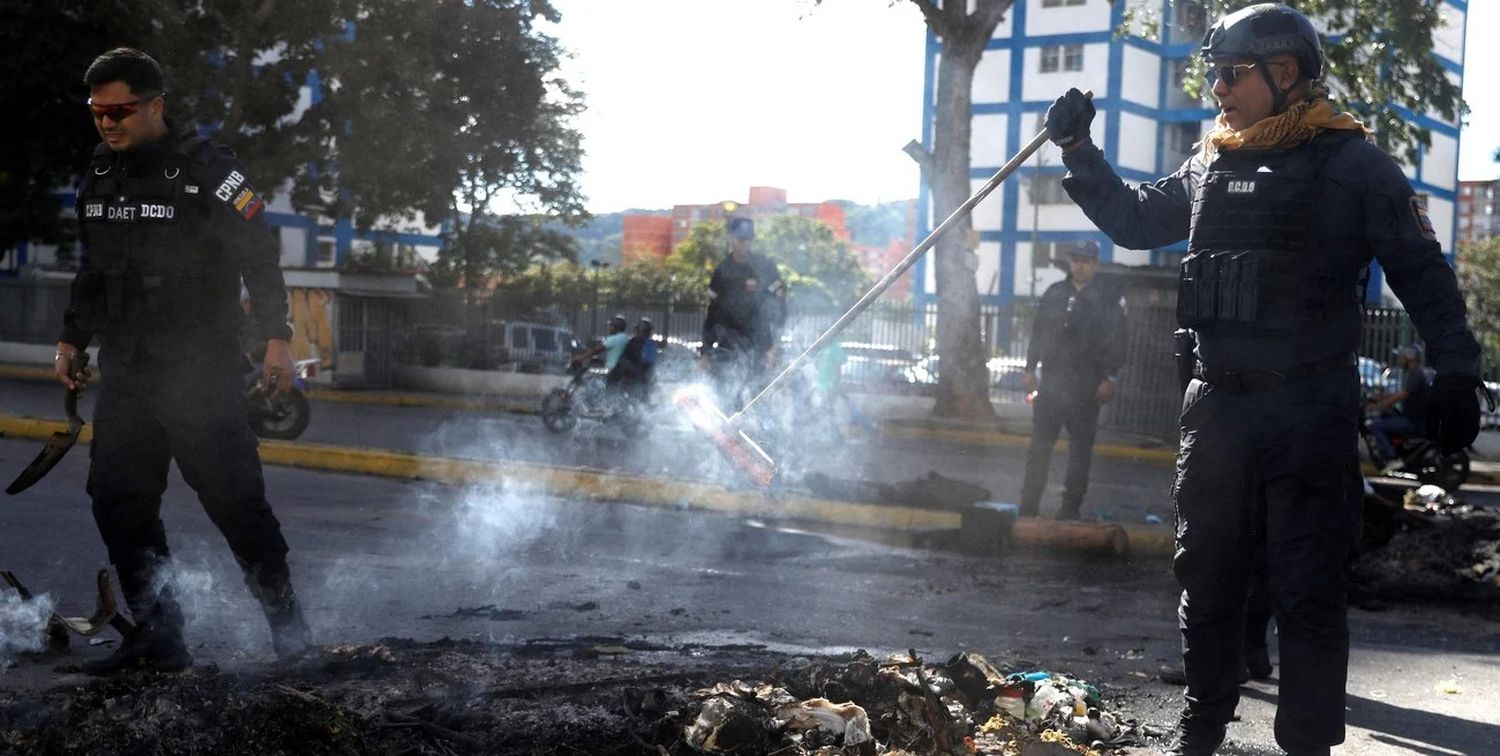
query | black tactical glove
[1069, 117]
[1453, 411]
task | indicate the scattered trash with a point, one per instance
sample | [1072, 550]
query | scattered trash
[1449, 687]
[1431, 499]
[1378, 694]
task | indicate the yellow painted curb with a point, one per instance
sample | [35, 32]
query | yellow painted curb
[561, 481]
[418, 400]
[1150, 540]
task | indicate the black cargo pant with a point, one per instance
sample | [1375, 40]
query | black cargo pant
[178, 400]
[1070, 405]
[1284, 457]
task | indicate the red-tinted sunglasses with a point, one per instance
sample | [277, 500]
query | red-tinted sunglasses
[117, 111]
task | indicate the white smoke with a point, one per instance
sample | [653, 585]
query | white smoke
[23, 625]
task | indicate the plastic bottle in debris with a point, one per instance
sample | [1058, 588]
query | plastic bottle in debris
[1012, 701]
[1047, 699]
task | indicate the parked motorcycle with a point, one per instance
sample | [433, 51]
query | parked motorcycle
[284, 417]
[586, 397]
[1420, 458]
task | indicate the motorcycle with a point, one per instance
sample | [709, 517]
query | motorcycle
[587, 397]
[1420, 459]
[284, 417]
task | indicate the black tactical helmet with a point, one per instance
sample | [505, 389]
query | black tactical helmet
[1261, 31]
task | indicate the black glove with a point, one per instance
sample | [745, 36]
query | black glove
[1453, 412]
[1069, 117]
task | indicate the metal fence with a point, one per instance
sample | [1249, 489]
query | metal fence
[890, 346]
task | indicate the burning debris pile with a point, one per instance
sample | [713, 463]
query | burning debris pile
[581, 696]
[1441, 550]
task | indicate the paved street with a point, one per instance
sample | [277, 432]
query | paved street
[377, 558]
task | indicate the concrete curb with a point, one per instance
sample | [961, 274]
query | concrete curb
[570, 482]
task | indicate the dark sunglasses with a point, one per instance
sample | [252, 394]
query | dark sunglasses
[1229, 73]
[118, 111]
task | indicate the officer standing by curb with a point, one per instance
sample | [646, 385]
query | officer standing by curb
[170, 228]
[1283, 208]
[1078, 337]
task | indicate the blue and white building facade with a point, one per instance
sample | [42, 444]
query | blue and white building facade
[1145, 124]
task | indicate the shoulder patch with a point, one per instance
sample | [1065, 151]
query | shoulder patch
[1419, 211]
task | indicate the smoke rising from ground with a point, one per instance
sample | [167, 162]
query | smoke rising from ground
[23, 625]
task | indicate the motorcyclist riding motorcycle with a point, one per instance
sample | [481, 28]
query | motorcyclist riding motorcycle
[632, 373]
[1405, 410]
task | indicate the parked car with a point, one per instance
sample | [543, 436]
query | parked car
[1006, 373]
[526, 347]
[876, 364]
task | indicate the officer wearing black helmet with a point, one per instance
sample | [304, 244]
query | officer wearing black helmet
[171, 227]
[1283, 208]
[746, 309]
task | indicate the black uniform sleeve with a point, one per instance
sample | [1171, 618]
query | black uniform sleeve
[1404, 242]
[774, 303]
[711, 319]
[1042, 326]
[239, 225]
[1140, 217]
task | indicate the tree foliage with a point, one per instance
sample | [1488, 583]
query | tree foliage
[443, 110]
[1479, 278]
[819, 270]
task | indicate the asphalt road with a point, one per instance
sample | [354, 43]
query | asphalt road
[376, 558]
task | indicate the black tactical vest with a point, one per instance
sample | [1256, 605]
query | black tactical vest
[154, 266]
[1252, 267]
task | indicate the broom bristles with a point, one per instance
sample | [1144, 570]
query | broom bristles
[732, 443]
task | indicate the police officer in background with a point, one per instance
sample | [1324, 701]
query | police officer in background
[170, 227]
[1283, 208]
[746, 310]
[1078, 338]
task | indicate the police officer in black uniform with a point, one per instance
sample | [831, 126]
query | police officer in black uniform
[170, 227]
[1078, 338]
[1283, 209]
[746, 309]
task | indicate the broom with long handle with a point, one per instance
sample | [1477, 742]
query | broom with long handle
[725, 433]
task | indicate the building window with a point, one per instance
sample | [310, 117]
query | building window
[1060, 3]
[325, 253]
[1181, 137]
[1041, 255]
[1051, 57]
[1046, 189]
[1061, 58]
[1073, 57]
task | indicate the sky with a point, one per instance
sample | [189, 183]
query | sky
[694, 101]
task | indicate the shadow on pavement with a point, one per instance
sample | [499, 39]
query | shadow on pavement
[1411, 729]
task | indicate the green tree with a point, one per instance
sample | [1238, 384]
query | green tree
[1382, 62]
[819, 270]
[1479, 278]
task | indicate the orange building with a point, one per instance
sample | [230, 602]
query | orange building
[645, 237]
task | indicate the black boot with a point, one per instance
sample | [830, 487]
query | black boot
[1258, 663]
[150, 646]
[290, 635]
[271, 584]
[1196, 736]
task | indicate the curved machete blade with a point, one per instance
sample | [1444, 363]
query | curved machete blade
[60, 442]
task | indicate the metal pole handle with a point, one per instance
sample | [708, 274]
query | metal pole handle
[901, 267]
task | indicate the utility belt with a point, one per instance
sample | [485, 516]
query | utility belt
[1253, 381]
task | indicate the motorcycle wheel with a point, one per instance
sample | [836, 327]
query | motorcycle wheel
[285, 419]
[1448, 472]
[557, 412]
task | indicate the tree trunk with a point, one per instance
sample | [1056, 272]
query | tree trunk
[963, 379]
